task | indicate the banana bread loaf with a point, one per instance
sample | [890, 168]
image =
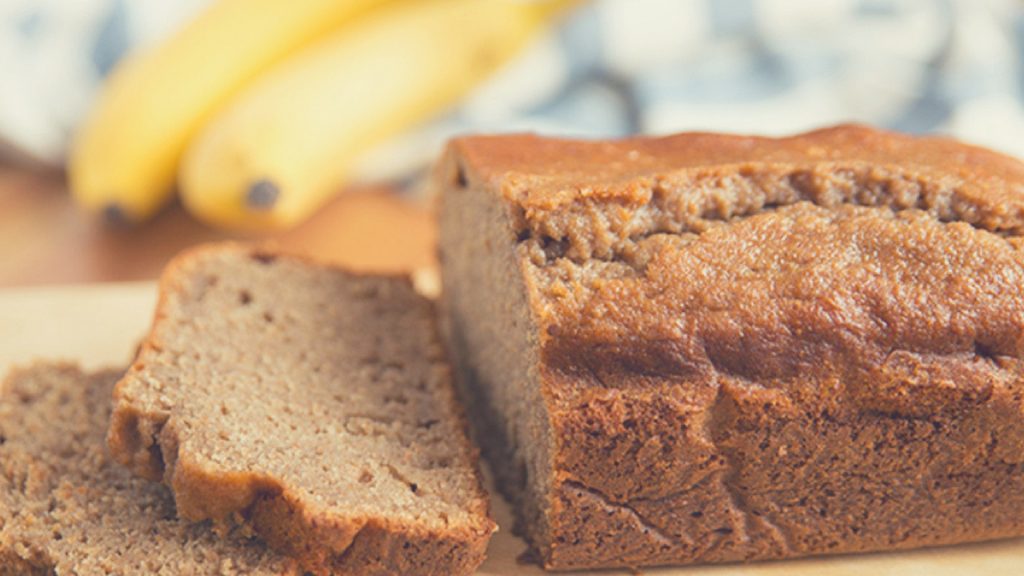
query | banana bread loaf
[708, 348]
[66, 507]
[311, 405]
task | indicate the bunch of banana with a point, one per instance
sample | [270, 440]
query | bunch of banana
[259, 107]
[125, 157]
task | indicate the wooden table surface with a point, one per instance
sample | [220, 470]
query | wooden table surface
[46, 239]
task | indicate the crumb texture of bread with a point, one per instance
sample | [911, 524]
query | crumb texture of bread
[708, 348]
[309, 405]
[66, 507]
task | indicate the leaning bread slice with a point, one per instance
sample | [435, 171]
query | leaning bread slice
[311, 405]
[67, 508]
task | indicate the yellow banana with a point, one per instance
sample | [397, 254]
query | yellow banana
[126, 154]
[278, 151]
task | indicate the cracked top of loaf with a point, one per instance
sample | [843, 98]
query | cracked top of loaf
[847, 252]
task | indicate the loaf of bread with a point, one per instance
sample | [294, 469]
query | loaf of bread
[311, 405]
[708, 348]
[66, 507]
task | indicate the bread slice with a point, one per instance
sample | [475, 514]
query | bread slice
[708, 348]
[312, 405]
[66, 507]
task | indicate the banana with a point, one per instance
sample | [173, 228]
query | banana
[125, 157]
[279, 150]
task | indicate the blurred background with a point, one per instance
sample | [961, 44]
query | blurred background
[323, 144]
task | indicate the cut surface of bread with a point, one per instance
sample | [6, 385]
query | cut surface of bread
[311, 405]
[708, 348]
[66, 507]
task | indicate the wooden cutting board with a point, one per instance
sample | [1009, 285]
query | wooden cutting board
[100, 325]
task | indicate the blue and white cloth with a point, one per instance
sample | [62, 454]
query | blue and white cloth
[614, 67]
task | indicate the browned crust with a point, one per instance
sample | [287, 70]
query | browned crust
[148, 444]
[541, 173]
[709, 406]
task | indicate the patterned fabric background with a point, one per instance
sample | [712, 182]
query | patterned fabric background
[615, 67]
